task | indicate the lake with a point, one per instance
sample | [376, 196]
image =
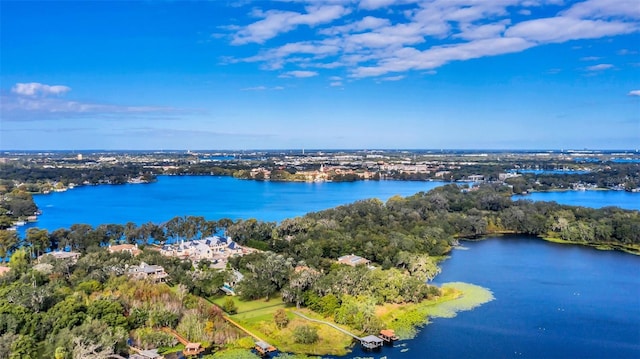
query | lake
[211, 197]
[552, 301]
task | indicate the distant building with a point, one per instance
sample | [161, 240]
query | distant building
[353, 260]
[128, 248]
[145, 271]
[504, 176]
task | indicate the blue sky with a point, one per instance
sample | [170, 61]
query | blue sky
[450, 74]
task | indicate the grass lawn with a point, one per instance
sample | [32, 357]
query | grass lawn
[257, 317]
[253, 311]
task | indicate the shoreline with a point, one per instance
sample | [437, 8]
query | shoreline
[607, 246]
[407, 319]
[599, 246]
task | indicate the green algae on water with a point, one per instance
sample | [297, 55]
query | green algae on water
[406, 324]
[472, 297]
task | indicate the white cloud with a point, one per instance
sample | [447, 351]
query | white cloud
[590, 58]
[471, 32]
[275, 22]
[599, 67]
[336, 84]
[412, 59]
[36, 101]
[384, 36]
[603, 9]
[35, 88]
[634, 93]
[299, 74]
[623, 52]
[561, 29]
[393, 78]
[375, 4]
[367, 23]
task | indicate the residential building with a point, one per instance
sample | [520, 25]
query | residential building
[145, 271]
[353, 260]
[71, 257]
[127, 248]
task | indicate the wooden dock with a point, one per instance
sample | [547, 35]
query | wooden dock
[189, 347]
[262, 346]
[368, 342]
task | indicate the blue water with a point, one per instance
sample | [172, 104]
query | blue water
[595, 199]
[552, 301]
[211, 197]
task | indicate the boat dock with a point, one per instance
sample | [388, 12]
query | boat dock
[190, 348]
[368, 342]
[261, 347]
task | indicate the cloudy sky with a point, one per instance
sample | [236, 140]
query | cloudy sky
[451, 74]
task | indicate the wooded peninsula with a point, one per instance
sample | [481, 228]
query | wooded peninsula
[299, 265]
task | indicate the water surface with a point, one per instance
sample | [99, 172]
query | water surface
[552, 301]
[211, 197]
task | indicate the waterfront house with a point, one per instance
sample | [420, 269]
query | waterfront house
[127, 248]
[353, 260]
[388, 335]
[211, 248]
[71, 257]
[145, 271]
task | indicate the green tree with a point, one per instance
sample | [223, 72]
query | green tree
[20, 260]
[24, 348]
[280, 318]
[8, 242]
[300, 282]
[38, 239]
[305, 334]
[229, 305]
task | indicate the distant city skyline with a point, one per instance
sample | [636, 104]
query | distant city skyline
[368, 74]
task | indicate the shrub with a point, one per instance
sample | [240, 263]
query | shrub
[280, 318]
[229, 305]
[305, 334]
